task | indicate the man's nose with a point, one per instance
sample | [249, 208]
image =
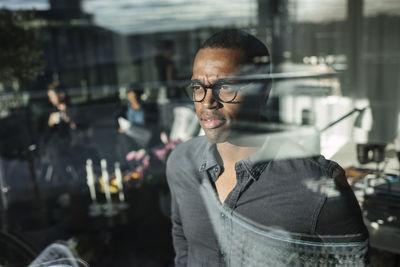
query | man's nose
[210, 101]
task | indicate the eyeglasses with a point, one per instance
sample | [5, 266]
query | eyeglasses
[223, 90]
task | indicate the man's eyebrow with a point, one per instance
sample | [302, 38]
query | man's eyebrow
[218, 81]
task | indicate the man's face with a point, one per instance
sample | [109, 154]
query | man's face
[218, 119]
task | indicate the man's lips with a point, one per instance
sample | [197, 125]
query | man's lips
[211, 123]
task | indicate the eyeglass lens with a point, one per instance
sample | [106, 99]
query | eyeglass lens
[224, 92]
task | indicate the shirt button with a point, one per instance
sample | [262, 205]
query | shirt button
[216, 169]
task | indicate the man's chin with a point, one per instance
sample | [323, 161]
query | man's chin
[213, 139]
[214, 136]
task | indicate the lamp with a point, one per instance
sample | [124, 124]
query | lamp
[362, 125]
[360, 119]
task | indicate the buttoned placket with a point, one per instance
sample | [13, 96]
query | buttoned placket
[243, 177]
[216, 171]
[213, 173]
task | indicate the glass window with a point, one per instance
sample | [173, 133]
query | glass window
[103, 147]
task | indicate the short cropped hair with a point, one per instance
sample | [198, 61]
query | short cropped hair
[255, 52]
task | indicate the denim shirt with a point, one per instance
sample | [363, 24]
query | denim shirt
[272, 190]
[135, 116]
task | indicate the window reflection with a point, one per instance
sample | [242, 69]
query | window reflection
[67, 70]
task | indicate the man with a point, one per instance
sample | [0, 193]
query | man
[267, 180]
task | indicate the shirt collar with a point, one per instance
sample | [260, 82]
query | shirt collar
[210, 159]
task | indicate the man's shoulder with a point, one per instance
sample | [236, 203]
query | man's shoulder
[190, 147]
[313, 165]
[331, 168]
[187, 154]
[318, 176]
[330, 172]
[324, 184]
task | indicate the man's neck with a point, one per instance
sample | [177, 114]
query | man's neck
[231, 153]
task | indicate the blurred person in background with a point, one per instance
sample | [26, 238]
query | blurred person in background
[134, 110]
[166, 68]
[59, 118]
[61, 134]
[164, 63]
[134, 133]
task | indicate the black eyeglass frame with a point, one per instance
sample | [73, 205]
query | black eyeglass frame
[215, 89]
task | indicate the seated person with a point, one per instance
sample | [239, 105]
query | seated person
[134, 110]
[134, 133]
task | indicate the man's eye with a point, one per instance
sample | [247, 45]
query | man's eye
[227, 88]
[196, 87]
